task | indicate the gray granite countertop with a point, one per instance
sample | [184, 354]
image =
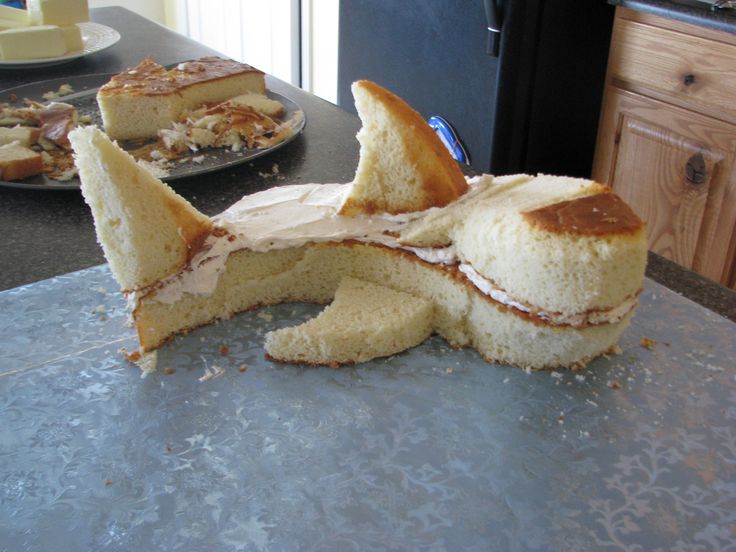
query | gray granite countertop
[696, 12]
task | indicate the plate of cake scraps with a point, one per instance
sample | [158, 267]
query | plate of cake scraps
[81, 91]
[96, 37]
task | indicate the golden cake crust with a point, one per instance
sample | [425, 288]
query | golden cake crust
[149, 78]
[595, 215]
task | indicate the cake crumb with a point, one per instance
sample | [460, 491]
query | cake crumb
[64, 90]
[449, 370]
[242, 368]
[268, 317]
[108, 482]
[210, 373]
[224, 349]
[614, 384]
[169, 370]
[133, 357]
[647, 343]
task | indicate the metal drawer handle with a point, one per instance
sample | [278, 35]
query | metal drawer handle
[695, 169]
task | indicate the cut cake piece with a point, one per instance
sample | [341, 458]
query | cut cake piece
[259, 102]
[147, 231]
[24, 136]
[139, 101]
[403, 165]
[18, 162]
[365, 321]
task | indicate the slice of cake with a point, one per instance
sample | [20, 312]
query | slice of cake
[364, 321]
[403, 165]
[138, 102]
[18, 162]
[24, 136]
[535, 271]
[146, 230]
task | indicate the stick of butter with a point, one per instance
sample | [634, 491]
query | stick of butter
[14, 14]
[43, 41]
[72, 38]
[11, 23]
[58, 12]
[12, 18]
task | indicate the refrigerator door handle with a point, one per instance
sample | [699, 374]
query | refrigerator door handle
[493, 20]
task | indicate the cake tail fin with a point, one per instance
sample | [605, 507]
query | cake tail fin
[146, 230]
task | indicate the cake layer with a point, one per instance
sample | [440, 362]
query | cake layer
[563, 245]
[462, 314]
[138, 102]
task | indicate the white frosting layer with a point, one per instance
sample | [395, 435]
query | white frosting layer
[292, 216]
[592, 317]
[279, 218]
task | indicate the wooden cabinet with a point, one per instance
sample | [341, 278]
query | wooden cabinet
[667, 137]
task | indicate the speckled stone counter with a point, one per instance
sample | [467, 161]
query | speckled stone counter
[687, 11]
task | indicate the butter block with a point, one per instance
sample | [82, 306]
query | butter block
[72, 38]
[43, 41]
[14, 14]
[58, 12]
[11, 23]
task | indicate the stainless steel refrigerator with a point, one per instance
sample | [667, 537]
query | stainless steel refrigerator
[524, 96]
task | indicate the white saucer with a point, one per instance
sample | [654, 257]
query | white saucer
[96, 38]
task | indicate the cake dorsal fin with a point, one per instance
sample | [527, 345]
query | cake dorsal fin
[403, 166]
[147, 231]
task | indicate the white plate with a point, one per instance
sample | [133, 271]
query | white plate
[96, 37]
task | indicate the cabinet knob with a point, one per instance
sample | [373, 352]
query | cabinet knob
[695, 169]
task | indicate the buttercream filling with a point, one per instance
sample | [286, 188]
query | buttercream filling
[589, 318]
[293, 216]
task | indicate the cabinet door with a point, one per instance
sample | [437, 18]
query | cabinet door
[676, 170]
